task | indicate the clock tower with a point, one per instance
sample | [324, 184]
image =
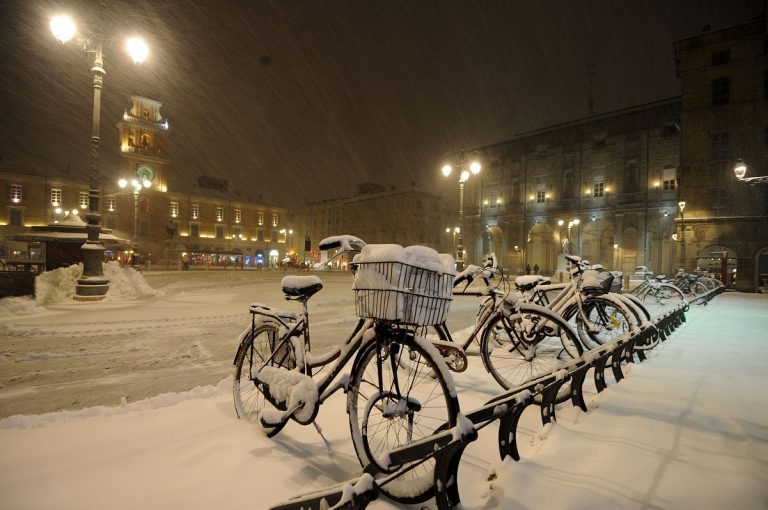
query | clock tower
[144, 143]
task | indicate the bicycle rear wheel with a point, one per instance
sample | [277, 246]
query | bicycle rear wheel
[255, 351]
[532, 342]
[605, 321]
[399, 392]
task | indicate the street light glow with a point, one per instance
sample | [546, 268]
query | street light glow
[475, 167]
[447, 169]
[740, 169]
[137, 49]
[63, 28]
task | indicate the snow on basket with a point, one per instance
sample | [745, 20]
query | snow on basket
[410, 285]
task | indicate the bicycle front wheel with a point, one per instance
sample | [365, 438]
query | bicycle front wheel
[605, 321]
[399, 392]
[256, 350]
[528, 344]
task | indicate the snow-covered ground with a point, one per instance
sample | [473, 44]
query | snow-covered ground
[144, 417]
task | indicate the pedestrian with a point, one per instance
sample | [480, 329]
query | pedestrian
[185, 262]
[535, 269]
[527, 269]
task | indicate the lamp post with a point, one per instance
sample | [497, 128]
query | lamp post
[137, 187]
[567, 241]
[466, 166]
[92, 286]
[740, 171]
[681, 237]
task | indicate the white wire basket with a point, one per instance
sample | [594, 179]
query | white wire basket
[402, 293]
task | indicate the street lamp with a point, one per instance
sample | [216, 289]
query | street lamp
[466, 166]
[740, 171]
[92, 286]
[137, 187]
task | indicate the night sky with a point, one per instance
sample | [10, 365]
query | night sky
[303, 100]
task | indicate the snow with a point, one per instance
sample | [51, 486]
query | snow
[686, 428]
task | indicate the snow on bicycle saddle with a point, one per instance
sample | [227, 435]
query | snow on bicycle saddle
[301, 286]
[529, 281]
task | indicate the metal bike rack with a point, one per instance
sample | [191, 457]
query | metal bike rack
[447, 445]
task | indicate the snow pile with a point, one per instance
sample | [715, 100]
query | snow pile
[59, 285]
[15, 306]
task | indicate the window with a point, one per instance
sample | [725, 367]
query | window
[194, 230]
[237, 215]
[15, 217]
[83, 200]
[721, 57]
[15, 193]
[219, 214]
[55, 197]
[718, 200]
[260, 219]
[568, 185]
[195, 211]
[719, 146]
[274, 219]
[632, 181]
[111, 204]
[669, 178]
[494, 202]
[541, 197]
[274, 236]
[721, 91]
[219, 231]
[236, 232]
[598, 189]
[260, 235]
[111, 222]
[174, 209]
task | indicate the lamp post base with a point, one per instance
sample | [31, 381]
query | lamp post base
[92, 286]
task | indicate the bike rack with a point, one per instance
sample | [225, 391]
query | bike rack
[447, 445]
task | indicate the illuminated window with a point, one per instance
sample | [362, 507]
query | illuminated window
[260, 218]
[219, 214]
[274, 219]
[15, 193]
[55, 197]
[236, 232]
[669, 179]
[111, 204]
[195, 211]
[83, 200]
[598, 189]
[494, 200]
[541, 197]
[174, 209]
[237, 215]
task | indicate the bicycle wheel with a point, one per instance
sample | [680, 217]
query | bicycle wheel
[605, 320]
[256, 350]
[532, 342]
[413, 398]
[669, 296]
[698, 288]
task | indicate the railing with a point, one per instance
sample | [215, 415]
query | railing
[447, 445]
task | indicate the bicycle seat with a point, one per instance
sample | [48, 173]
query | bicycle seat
[528, 282]
[301, 286]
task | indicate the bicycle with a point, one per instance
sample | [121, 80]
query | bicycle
[399, 389]
[597, 315]
[518, 341]
[654, 290]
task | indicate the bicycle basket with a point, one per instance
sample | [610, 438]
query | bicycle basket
[402, 293]
[596, 282]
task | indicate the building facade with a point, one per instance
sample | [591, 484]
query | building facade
[724, 116]
[604, 188]
[204, 220]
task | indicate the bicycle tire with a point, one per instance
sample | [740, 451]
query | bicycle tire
[430, 388]
[505, 341]
[607, 318]
[255, 349]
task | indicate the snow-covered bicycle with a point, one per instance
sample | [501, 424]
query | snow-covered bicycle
[399, 388]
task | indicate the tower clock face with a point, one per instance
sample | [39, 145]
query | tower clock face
[145, 173]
